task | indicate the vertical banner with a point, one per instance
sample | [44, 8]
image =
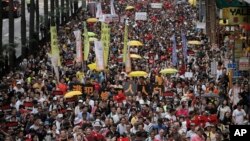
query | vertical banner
[125, 42]
[86, 42]
[112, 8]
[54, 62]
[128, 62]
[99, 55]
[174, 53]
[105, 38]
[54, 44]
[77, 34]
[98, 13]
[184, 45]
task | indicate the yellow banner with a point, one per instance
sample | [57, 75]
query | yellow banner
[105, 38]
[236, 15]
[125, 47]
[54, 44]
[86, 42]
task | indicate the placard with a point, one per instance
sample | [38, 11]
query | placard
[236, 15]
[141, 16]
[188, 74]
[156, 5]
[244, 64]
[57, 93]
[130, 88]
[6, 108]
[88, 89]
[28, 105]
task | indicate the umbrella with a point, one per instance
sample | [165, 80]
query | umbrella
[72, 93]
[136, 56]
[194, 42]
[168, 71]
[92, 39]
[223, 22]
[135, 43]
[137, 73]
[92, 20]
[92, 66]
[91, 34]
[130, 7]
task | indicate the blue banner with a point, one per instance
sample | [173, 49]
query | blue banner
[184, 45]
[174, 53]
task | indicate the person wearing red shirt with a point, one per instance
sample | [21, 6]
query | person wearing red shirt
[61, 86]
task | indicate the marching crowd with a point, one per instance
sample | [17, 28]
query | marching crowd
[196, 107]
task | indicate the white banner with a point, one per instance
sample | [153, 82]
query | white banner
[99, 55]
[54, 63]
[156, 5]
[141, 16]
[98, 13]
[112, 8]
[107, 18]
[77, 34]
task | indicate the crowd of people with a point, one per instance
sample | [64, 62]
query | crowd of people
[197, 107]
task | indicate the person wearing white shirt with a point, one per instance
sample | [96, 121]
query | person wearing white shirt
[238, 115]
[19, 102]
[77, 108]
[114, 115]
[18, 88]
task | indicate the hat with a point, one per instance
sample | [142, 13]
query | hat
[18, 83]
[46, 123]
[208, 125]
[192, 124]
[77, 120]
[54, 98]
[69, 109]
[80, 101]
[60, 116]
[97, 124]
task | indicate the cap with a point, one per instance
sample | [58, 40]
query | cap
[97, 124]
[208, 125]
[77, 120]
[54, 98]
[18, 83]
[69, 109]
[60, 116]
[81, 101]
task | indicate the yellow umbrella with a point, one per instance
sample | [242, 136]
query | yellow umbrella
[92, 39]
[130, 7]
[92, 66]
[91, 34]
[136, 56]
[92, 20]
[135, 43]
[194, 42]
[168, 71]
[137, 74]
[72, 93]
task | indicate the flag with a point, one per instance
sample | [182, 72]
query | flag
[105, 38]
[125, 46]
[77, 34]
[54, 44]
[86, 42]
[184, 45]
[99, 10]
[99, 55]
[112, 8]
[174, 53]
[54, 63]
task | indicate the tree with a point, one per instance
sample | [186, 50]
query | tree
[57, 13]
[67, 10]
[32, 25]
[75, 6]
[62, 11]
[37, 18]
[52, 12]
[46, 16]
[1, 26]
[11, 35]
[23, 28]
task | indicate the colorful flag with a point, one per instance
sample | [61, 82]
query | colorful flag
[54, 44]
[86, 42]
[77, 34]
[99, 55]
[125, 46]
[105, 38]
[174, 53]
[112, 8]
[184, 45]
